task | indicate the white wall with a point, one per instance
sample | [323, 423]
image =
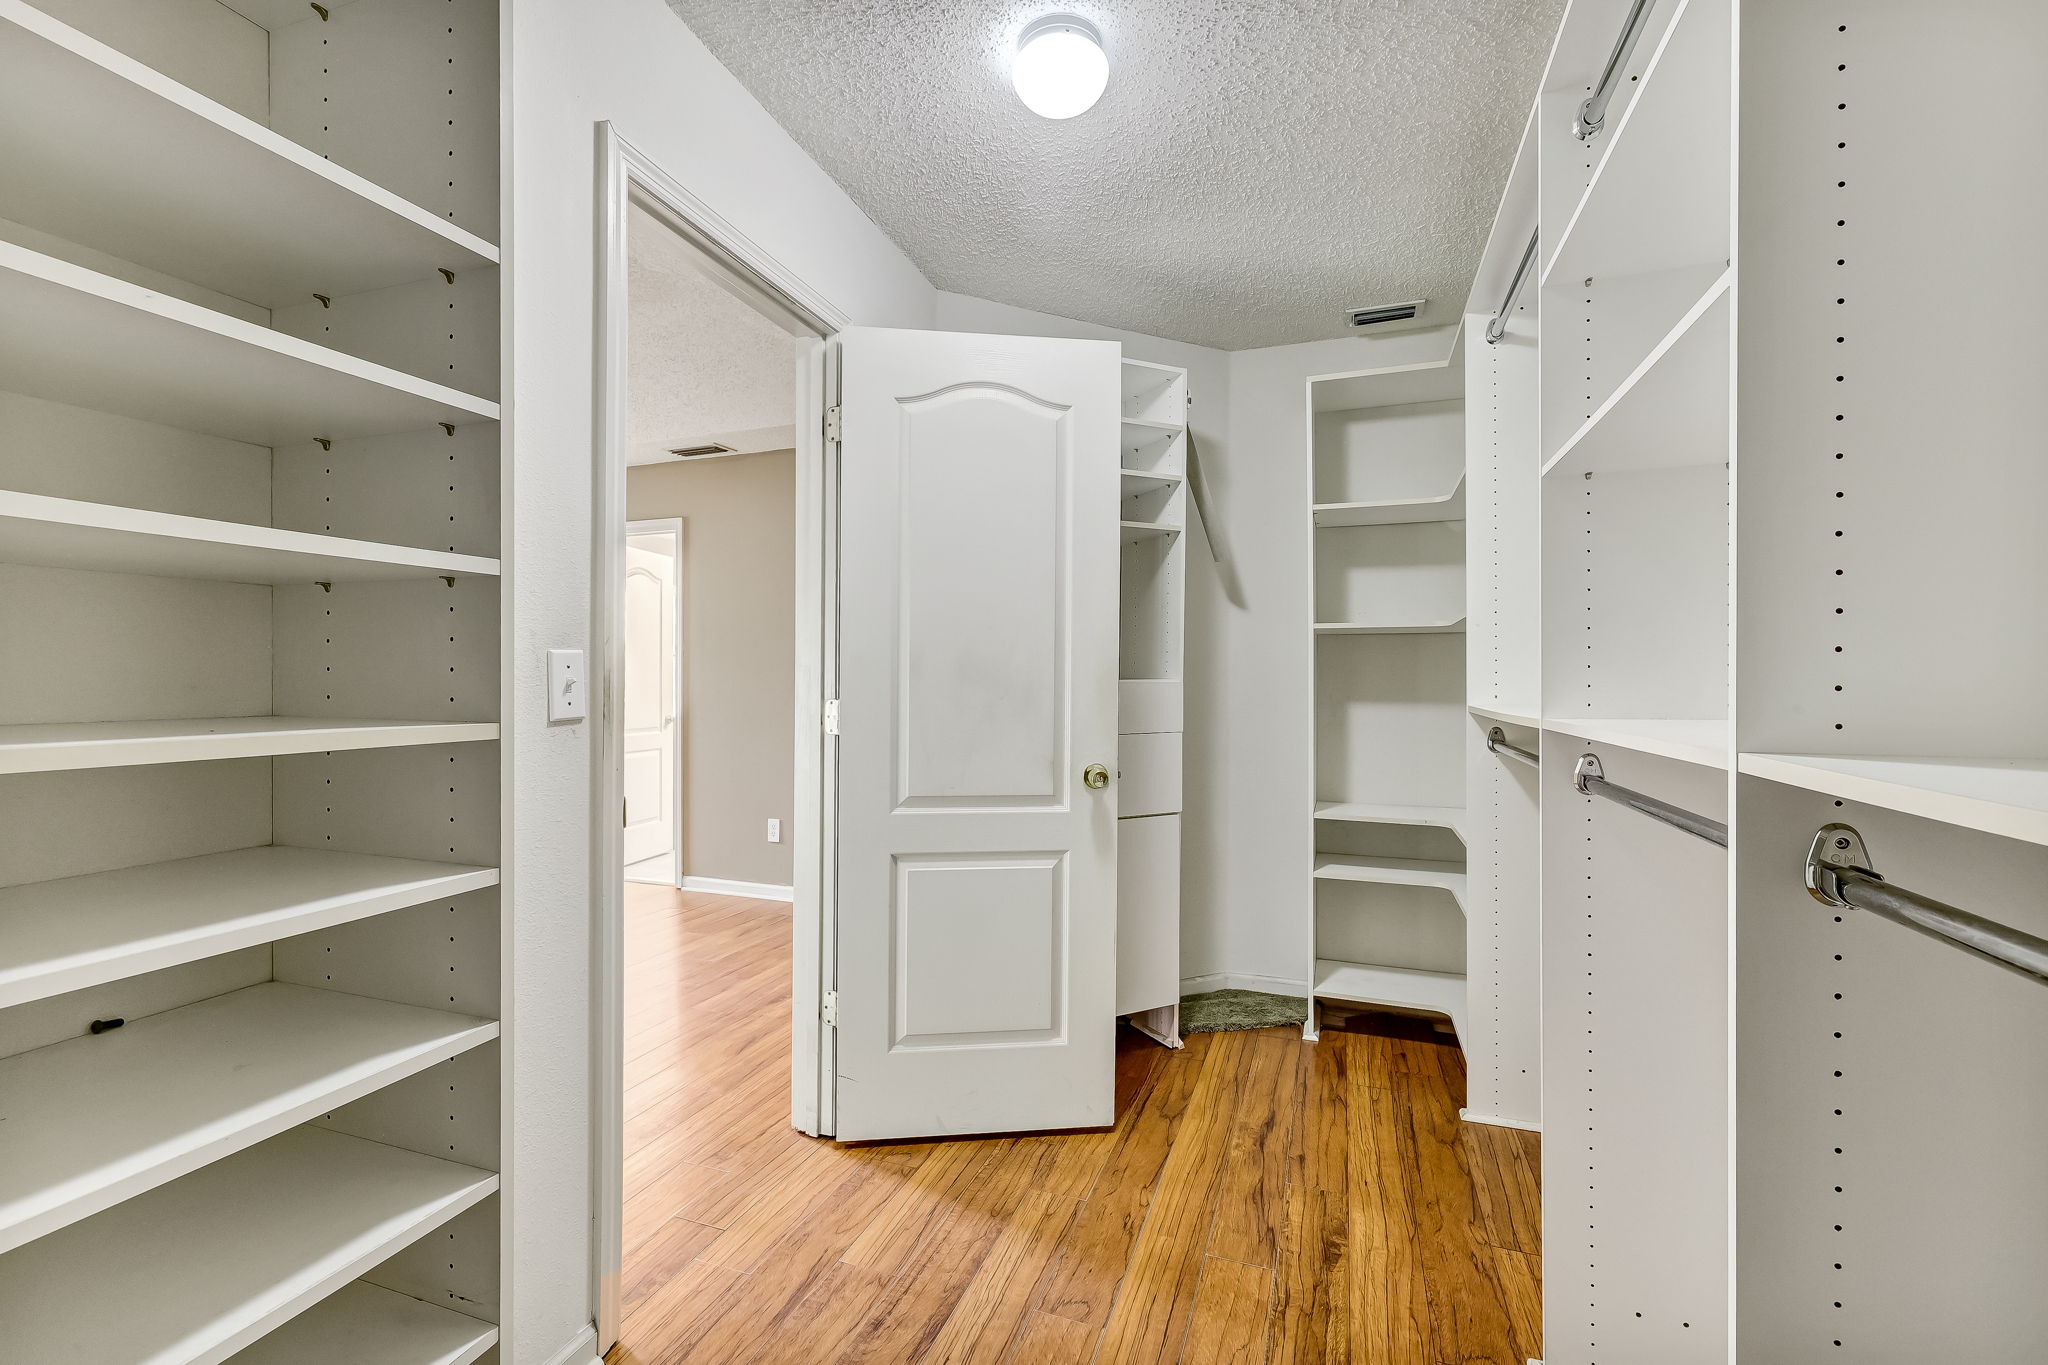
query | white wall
[574, 63]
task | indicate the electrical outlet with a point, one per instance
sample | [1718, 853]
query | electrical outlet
[774, 831]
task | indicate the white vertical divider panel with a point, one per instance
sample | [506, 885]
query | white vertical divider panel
[1890, 1105]
[1635, 1068]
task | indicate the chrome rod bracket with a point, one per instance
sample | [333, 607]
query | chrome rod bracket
[1591, 116]
[1836, 849]
[1497, 742]
[1589, 770]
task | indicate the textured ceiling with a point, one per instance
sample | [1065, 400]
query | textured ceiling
[1254, 169]
[701, 365]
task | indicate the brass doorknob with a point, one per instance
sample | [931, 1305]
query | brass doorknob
[1095, 777]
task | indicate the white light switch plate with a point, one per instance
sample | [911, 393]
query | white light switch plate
[567, 687]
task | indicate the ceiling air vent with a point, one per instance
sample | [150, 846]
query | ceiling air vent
[1386, 312]
[699, 452]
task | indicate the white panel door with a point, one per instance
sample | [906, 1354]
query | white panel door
[651, 709]
[977, 682]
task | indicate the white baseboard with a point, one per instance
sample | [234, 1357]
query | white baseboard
[1242, 981]
[760, 891]
[580, 1351]
[1497, 1121]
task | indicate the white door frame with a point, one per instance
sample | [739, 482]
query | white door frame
[627, 178]
[672, 526]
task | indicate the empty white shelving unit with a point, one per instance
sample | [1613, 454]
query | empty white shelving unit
[250, 932]
[1387, 548]
[1768, 554]
[1149, 696]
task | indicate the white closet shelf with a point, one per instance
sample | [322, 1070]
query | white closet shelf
[128, 743]
[1143, 427]
[1345, 867]
[1137, 480]
[195, 1270]
[1506, 717]
[76, 336]
[1393, 512]
[1672, 410]
[1704, 742]
[2007, 797]
[1356, 983]
[1438, 817]
[1134, 531]
[67, 534]
[1456, 627]
[1659, 197]
[362, 1324]
[101, 150]
[94, 1120]
[65, 935]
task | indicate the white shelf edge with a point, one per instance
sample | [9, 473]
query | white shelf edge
[366, 1324]
[2006, 797]
[1436, 817]
[1378, 871]
[1688, 741]
[209, 1264]
[1152, 476]
[74, 932]
[1506, 717]
[105, 537]
[1456, 627]
[78, 279]
[1138, 530]
[1360, 983]
[1672, 338]
[1172, 372]
[125, 744]
[1614, 140]
[1147, 424]
[96, 1120]
[240, 126]
[1451, 504]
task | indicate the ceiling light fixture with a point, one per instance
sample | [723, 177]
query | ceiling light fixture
[1060, 69]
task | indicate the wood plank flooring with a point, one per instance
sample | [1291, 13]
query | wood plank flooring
[1261, 1201]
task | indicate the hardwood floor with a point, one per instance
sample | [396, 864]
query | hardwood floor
[1261, 1199]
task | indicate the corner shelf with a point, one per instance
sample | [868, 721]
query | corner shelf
[94, 1120]
[206, 1265]
[362, 1324]
[1456, 627]
[75, 932]
[1394, 512]
[1436, 817]
[68, 534]
[1357, 983]
[1342, 867]
[1704, 742]
[1664, 162]
[128, 743]
[76, 336]
[100, 149]
[1679, 390]
[2006, 797]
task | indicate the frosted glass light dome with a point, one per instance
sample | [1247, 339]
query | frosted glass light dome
[1060, 69]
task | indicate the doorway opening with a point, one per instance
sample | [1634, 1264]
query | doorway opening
[708, 814]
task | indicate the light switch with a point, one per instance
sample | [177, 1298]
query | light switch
[566, 686]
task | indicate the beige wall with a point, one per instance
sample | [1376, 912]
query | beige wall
[739, 654]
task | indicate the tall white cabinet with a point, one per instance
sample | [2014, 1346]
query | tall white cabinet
[1763, 549]
[250, 931]
[1386, 532]
[1153, 525]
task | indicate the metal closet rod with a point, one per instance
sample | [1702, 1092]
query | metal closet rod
[1498, 328]
[1592, 115]
[1591, 780]
[1838, 873]
[1497, 741]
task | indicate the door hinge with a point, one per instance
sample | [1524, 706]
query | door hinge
[832, 423]
[832, 716]
[828, 1009]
